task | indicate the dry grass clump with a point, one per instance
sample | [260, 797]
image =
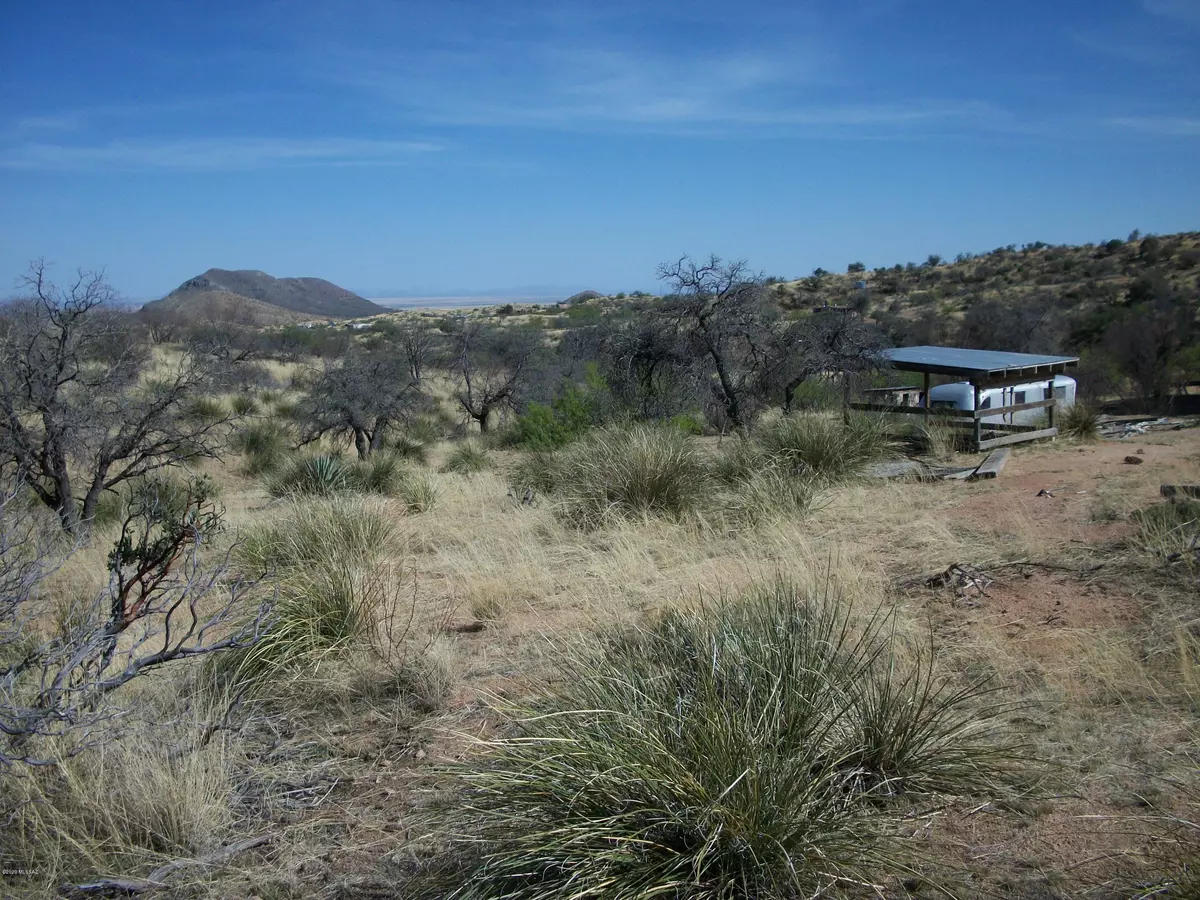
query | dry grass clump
[1080, 420]
[467, 459]
[1170, 531]
[419, 493]
[323, 557]
[770, 493]
[634, 472]
[826, 447]
[338, 529]
[266, 446]
[132, 801]
[752, 747]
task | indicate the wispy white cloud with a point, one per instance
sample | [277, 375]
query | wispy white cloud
[1166, 126]
[1185, 10]
[1142, 52]
[212, 154]
[701, 69]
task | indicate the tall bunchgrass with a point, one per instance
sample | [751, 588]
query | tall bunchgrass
[381, 473]
[323, 556]
[770, 493]
[466, 459]
[127, 803]
[266, 446]
[1170, 531]
[826, 447]
[631, 472]
[418, 493]
[761, 747]
[319, 531]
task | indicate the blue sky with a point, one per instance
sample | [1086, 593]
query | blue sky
[443, 146]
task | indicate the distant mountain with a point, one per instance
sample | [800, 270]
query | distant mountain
[313, 297]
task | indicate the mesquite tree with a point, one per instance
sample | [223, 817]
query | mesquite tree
[725, 312]
[491, 366]
[363, 397]
[170, 596]
[82, 407]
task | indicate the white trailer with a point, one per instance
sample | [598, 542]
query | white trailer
[961, 395]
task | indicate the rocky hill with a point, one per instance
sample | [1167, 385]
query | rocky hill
[305, 297]
[1037, 297]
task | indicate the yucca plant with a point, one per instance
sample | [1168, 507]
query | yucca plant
[750, 749]
[319, 475]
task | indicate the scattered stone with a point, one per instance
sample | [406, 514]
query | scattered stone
[1133, 460]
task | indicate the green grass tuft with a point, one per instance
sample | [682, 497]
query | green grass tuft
[765, 747]
[466, 459]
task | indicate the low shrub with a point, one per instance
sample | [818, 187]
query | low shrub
[637, 471]
[763, 747]
[466, 459]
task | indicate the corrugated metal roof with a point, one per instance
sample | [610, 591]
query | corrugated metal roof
[954, 360]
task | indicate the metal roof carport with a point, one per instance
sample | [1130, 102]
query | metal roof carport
[985, 369]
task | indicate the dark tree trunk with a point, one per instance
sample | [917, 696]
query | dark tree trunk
[362, 443]
[483, 417]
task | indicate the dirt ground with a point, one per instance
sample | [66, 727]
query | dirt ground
[1052, 599]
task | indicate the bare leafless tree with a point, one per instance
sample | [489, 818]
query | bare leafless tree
[837, 342]
[725, 312]
[170, 596]
[363, 397]
[492, 366]
[80, 410]
[648, 366]
[418, 343]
